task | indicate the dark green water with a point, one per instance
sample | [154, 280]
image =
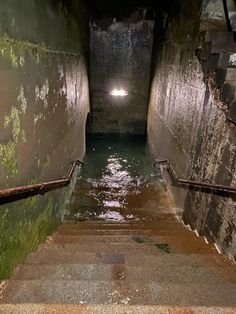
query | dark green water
[117, 170]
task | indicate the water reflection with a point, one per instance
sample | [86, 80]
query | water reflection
[118, 182]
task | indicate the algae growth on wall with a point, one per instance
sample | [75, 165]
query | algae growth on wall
[44, 106]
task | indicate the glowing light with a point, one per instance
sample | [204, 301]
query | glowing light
[118, 92]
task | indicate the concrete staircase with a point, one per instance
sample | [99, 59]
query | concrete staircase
[218, 57]
[157, 266]
[223, 44]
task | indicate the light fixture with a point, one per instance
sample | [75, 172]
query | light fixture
[118, 92]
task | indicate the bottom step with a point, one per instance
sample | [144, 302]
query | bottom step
[119, 292]
[108, 309]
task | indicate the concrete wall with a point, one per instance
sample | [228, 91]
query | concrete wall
[120, 57]
[213, 15]
[44, 105]
[187, 123]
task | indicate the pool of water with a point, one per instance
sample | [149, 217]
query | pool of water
[118, 181]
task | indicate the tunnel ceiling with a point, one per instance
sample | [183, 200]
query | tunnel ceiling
[122, 9]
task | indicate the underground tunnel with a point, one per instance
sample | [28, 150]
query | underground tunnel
[118, 156]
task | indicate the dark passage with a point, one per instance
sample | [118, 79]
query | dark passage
[118, 182]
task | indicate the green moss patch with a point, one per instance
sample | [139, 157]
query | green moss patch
[163, 247]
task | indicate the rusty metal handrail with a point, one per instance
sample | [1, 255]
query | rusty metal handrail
[14, 194]
[210, 186]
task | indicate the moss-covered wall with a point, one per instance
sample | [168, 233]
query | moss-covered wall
[43, 111]
[187, 118]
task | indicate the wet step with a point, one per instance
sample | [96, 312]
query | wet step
[90, 190]
[108, 309]
[113, 215]
[121, 214]
[55, 256]
[132, 197]
[104, 249]
[165, 243]
[220, 40]
[127, 248]
[119, 292]
[174, 243]
[163, 273]
[113, 226]
[150, 221]
[122, 232]
[153, 193]
[80, 239]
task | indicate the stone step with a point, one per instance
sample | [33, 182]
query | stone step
[123, 248]
[223, 44]
[230, 76]
[112, 226]
[85, 185]
[119, 292]
[108, 309]
[219, 36]
[105, 224]
[74, 212]
[218, 48]
[221, 41]
[93, 192]
[126, 232]
[134, 248]
[227, 59]
[58, 238]
[55, 257]
[90, 190]
[98, 272]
